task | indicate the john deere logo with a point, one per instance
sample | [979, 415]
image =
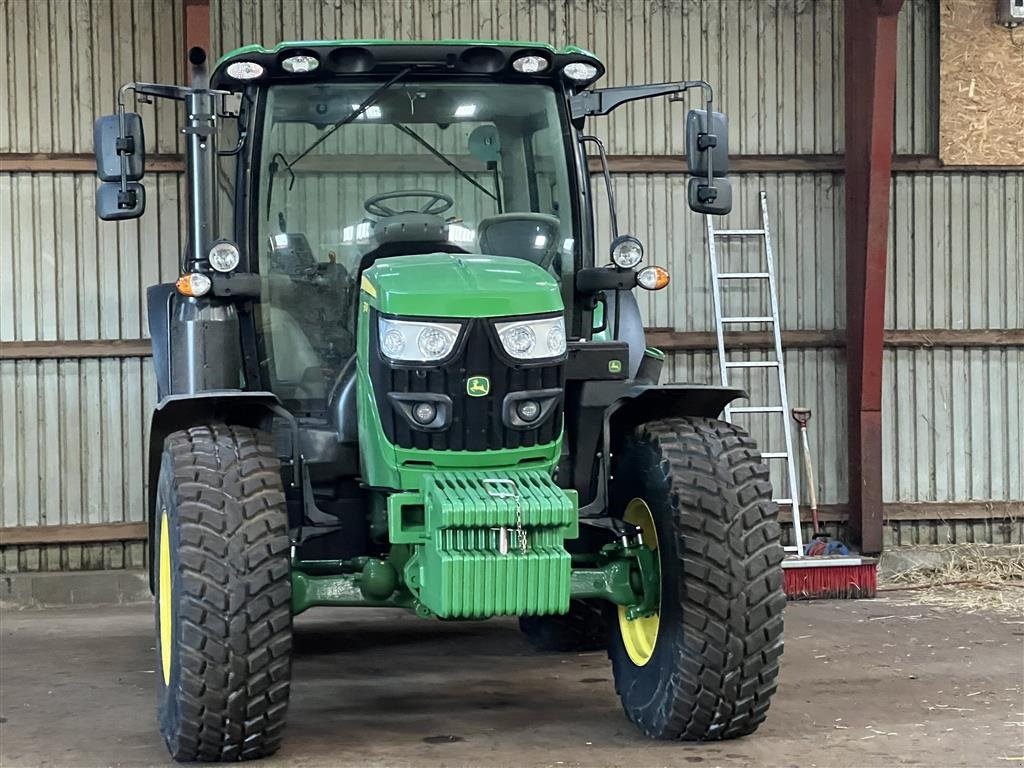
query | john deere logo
[478, 386]
[614, 366]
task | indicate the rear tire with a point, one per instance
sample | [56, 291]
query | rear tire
[708, 668]
[583, 628]
[223, 587]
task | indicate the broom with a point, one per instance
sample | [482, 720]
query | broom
[827, 570]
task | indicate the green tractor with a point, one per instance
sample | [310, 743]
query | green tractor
[395, 372]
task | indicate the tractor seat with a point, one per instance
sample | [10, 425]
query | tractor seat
[408, 234]
[530, 236]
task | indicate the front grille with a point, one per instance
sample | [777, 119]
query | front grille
[476, 423]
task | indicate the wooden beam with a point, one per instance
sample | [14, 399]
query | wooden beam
[870, 92]
[29, 535]
[40, 535]
[688, 341]
[74, 350]
[665, 339]
[920, 511]
[39, 162]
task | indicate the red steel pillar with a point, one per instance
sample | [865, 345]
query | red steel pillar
[197, 30]
[870, 83]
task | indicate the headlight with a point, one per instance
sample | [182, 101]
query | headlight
[580, 71]
[299, 64]
[530, 64]
[420, 342]
[533, 339]
[224, 256]
[627, 251]
[245, 70]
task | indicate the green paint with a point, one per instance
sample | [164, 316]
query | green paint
[378, 463]
[609, 582]
[415, 465]
[461, 285]
[649, 582]
[378, 580]
[338, 589]
[478, 386]
[605, 334]
[439, 286]
[628, 576]
[460, 567]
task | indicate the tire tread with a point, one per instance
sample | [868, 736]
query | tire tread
[731, 586]
[235, 606]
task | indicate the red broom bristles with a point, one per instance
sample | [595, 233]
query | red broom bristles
[843, 582]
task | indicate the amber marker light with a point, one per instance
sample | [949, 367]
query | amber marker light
[193, 284]
[652, 278]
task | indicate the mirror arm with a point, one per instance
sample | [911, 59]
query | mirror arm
[601, 101]
[607, 180]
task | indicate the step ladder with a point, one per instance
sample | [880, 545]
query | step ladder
[725, 364]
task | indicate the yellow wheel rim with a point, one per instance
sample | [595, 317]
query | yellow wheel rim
[165, 600]
[639, 636]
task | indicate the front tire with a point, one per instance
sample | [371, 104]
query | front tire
[583, 628]
[223, 589]
[705, 667]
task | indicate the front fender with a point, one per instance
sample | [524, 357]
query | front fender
[645, 402]
[610, 410]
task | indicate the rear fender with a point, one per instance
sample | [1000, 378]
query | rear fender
[177, 412]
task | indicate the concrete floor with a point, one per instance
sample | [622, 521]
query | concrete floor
[869, 683]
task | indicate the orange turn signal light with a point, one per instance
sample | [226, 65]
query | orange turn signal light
[652, 278]
[193, 284]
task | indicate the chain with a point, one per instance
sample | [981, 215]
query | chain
[505, 488]
[520, 531]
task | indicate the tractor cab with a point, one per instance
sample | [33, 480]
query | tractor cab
[395, 372]
[443, 165]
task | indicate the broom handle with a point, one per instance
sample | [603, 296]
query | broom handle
[811, 491]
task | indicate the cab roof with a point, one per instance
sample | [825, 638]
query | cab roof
[369, 58]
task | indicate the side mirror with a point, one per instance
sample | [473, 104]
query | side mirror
[715, 199]
[109, 146]
[707, 142]
[114, 205]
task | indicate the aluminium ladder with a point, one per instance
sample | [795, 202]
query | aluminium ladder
[725, 364]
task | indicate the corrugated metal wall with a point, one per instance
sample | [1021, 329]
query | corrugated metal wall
[72, 439]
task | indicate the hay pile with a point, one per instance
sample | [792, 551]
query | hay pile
[967, 577]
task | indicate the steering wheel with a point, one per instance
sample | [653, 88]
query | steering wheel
[437, 202]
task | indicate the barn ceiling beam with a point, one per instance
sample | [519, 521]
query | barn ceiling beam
[870, 92]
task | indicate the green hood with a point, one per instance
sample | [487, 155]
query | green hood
[460, 285]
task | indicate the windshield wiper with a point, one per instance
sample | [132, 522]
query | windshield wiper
[441, 156]
[366, 104]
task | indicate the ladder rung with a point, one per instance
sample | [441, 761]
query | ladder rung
[752, 364]
[783, 501]
[791, 549]
[740, 232]
[775, 455]
[757, 409]
[752, 319]
[741, 275]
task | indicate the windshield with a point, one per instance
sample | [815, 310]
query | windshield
[426, 166]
